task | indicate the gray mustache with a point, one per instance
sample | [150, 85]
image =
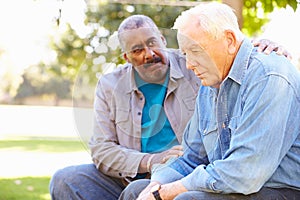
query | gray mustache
[153, 61]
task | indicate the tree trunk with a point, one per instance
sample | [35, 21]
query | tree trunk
[237, 5]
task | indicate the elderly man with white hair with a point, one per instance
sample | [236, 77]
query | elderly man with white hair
[243, 140]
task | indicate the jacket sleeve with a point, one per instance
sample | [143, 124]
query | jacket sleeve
[108, 155]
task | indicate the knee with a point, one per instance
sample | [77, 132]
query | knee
[59, 180]
[133, 190]
[182, 196]
[192, 195]
[56, 180]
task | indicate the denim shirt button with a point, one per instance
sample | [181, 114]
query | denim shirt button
[223, 125]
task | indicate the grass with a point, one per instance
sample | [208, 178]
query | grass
[25, 188]
[28, 187]
[44, 145]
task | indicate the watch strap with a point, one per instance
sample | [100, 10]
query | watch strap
[156, 195]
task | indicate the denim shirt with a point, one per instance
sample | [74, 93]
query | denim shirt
[244, 135]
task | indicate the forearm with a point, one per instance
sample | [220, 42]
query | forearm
[114, 159]
[146, 163]
[171, 190]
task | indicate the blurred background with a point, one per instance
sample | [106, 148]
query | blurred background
[51, 54]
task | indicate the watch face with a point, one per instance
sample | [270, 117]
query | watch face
[155, 188]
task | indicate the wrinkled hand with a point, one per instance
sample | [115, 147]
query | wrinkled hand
[267, 46]
[164, 156]
[146, 194]
[168, 191]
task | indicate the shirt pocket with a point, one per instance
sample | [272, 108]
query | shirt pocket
[122, 121]
[208, 129]
[233, 124]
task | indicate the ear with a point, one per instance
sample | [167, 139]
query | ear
[126, 57]
[163, 39]
[231, 41]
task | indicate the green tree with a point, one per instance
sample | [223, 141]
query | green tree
[39, 81]
[106, 16]
[83, 60]
[103, 52]
[253, 14]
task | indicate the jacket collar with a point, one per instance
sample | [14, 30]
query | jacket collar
[241, 62]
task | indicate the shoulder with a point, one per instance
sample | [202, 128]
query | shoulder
[120, 76]
[116, 73]
[273, 64]
[262, 66]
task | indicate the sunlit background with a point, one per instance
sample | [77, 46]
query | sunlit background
[47, 86]
[27, 26]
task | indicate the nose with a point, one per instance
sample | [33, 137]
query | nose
[149, 53]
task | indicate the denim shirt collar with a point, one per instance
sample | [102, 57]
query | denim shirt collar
[239, 66]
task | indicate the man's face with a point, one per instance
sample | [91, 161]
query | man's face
[202, 55]
[145, 49]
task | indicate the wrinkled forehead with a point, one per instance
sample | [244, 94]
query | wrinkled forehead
[192, 37]
[187, 42]
[138, 36]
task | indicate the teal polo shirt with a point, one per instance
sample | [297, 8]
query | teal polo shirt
[157, 133]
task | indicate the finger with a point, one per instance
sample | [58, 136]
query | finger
[270, 48]
[261, 44]
[280, 50]
[177, 147]
[144, 193]
[261, 47]
[168, 157]
[175, 152]
[286, 54]
[255, 42]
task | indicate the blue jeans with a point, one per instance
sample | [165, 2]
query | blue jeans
[84, 182]
[135, 188]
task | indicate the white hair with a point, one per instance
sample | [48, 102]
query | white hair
[213, 17]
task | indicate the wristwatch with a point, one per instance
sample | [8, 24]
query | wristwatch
[155, 191]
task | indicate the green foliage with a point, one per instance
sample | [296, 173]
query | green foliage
[255, 13]
[106, 17]
[40, 80]
[83, 60]
[70, 54]
[110, 15]
[104, 20]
